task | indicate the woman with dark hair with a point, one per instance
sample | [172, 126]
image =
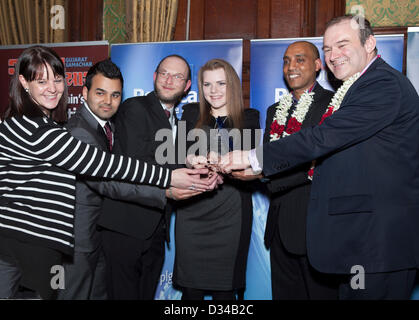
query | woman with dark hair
[213, 229]
[38, 163]
[30, 94]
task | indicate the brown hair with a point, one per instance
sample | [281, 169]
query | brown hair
[30, 65]
[235, 106]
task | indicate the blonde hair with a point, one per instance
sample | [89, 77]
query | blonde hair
[235, 106]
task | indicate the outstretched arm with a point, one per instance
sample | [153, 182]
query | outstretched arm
[141, 194]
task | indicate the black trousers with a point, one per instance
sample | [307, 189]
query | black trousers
[294, 279]
[85, 276]
[33, 265]
[133, 266]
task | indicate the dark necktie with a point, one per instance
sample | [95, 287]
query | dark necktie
[220, 122]
[167, 112]
[108, 134]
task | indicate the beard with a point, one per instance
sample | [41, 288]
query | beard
[172, 99]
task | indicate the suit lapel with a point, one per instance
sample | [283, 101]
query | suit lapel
[360, 80]
[95, 127]
[319, 106]
[159, 114]
[157, 111]
[159, 117]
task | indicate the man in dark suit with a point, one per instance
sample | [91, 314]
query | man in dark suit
[85, 274]
[285, 235]
[364, 203]
[134, 238]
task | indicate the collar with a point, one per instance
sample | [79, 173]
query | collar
[100, 121]
[294, 100]
[171, 110]
[370, 63]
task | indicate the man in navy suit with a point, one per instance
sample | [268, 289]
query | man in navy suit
[363, 212]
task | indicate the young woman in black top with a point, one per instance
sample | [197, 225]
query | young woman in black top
[213, 229]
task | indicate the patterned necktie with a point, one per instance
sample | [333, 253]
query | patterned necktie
[108, 135]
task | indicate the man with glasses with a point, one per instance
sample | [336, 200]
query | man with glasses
[134, 235]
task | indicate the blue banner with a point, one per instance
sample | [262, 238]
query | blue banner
[137, 63]
[412, 61]
[267, 85]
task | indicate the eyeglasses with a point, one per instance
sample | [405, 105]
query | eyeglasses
[178, 77]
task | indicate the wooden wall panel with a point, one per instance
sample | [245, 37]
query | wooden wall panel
[286, 18]
[180, 28]
[255, 19]
[197, 20]
[325, 11]
[263, 19]
[85, 20]
[227, 19]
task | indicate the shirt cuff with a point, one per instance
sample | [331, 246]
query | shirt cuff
[254, 162]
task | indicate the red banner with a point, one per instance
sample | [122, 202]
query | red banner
[78, 57]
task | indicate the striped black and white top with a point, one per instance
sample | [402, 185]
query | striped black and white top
[38, 163]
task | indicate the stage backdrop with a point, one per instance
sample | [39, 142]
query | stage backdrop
[138, 63]
[412, 61]
[267, 85]
[78, 57]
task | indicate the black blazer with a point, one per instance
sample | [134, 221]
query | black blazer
[364, 202]
[90, 192]
[290, 191]
[136, 124]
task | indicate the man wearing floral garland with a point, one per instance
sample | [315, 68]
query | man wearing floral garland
[363, 212]
[285, 235]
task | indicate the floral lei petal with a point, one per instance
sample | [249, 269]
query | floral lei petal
[278, 129]
[281, 115]
[337, 98]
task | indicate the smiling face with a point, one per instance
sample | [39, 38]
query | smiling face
[104, 96]
[214, 87]
[170, 81]
[46, 90]
[300, 67]
[343, 52]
